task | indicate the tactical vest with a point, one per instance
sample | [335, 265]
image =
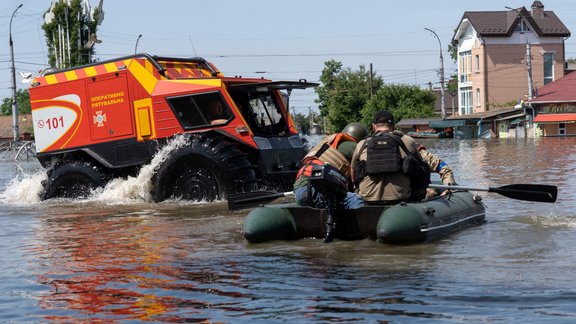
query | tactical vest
[383, 154]
[326, 152]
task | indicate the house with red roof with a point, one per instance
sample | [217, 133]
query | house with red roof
[504, 55]
[554, 107]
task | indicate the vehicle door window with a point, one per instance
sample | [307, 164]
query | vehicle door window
[200, 110]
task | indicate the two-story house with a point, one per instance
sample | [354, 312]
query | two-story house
[504, 55]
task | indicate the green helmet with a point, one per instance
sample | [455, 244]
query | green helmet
[356, 130]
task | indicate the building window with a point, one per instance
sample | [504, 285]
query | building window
[465, 66]
[522, 27]
[465, 101]
[477, 97]
[548, 67]
[477, 63]
[561, 129]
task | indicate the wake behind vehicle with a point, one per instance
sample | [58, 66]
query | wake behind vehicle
[108, 119]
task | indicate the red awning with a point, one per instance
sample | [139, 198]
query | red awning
[555, 118]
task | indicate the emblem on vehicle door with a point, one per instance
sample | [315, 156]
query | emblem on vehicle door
[99, 119]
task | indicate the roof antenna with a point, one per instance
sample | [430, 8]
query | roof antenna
[192, 43]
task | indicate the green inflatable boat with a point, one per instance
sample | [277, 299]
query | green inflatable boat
[398, 224]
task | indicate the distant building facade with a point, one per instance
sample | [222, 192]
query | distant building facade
[493, 47]
[554, 108]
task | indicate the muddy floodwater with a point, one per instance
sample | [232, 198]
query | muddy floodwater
[116, 257]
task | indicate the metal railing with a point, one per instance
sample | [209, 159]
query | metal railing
[17, 150]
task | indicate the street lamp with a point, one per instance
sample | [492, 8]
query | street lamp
[14, 101]
[136, 47]
[442, 100]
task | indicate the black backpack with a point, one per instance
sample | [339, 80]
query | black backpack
[414, 167]
[383, 156]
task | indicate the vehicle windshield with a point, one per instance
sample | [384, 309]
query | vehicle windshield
[261, 111]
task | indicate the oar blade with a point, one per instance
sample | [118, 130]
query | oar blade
[528, 192]
[245, 200]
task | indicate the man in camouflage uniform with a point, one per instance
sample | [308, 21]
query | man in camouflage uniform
[394, 186]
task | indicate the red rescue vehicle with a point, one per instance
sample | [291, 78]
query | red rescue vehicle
[108, 119]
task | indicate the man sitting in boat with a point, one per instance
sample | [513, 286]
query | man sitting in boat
[337, 151]
[389, 167]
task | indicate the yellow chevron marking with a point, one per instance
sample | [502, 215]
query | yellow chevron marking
[51, 79]
[71, 75]
[144, 77]
[110, 67]
[90, 71]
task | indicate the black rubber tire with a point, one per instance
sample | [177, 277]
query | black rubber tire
[74, 180]
[207, 169]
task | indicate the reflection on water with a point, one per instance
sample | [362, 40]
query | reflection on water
[123, 258]
[108, 262]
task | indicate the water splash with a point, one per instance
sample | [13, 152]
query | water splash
[546, 217]
[554, 221]
[137, 188]
[25, 188]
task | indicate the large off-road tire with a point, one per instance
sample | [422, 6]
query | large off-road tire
[74, 180]
[207, 169]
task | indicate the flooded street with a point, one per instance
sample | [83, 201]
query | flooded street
[117, 257]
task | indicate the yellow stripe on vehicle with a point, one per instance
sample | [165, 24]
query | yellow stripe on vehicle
[143, 76]
[205, 82]
[71, 75]
[90, 71]
[51, 79]
[110, 67]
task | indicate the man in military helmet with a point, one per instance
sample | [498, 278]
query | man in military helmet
[389, 167]
[337, 151]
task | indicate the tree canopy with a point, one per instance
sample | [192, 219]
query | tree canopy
[403, 101]
[302, 122]
[70, 34]
[347, 95]
[22, 99]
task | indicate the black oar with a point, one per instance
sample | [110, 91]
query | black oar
[253, 199]
[529, 192]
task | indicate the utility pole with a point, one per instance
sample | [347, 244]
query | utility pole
[14, 96]
[442, 97]
[311, 119]
[529, 67]
[371, 82]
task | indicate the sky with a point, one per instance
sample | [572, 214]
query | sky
[278, 40]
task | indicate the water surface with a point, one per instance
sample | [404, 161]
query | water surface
[118, 257]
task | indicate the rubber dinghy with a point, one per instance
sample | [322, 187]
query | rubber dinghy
[398, 224]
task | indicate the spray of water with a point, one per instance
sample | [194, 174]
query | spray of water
[26, 188]
[137, 188]
[554, 218]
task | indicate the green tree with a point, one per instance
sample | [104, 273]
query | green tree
[23, 100]
[344, 93]
[453, 50]
[70, 34]
[302, 122]
[345, 96]
[453, 83]
[403, 101]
